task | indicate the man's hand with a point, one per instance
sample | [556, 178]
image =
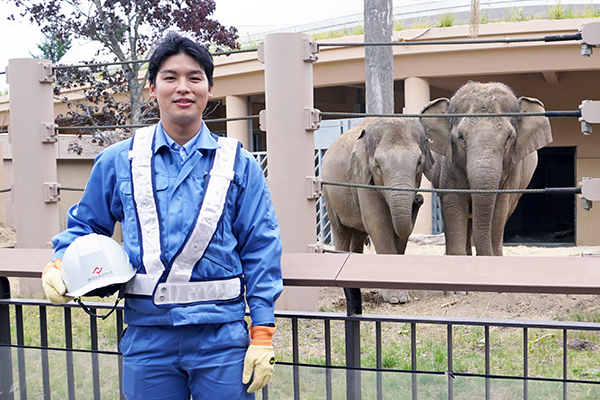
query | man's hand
[52, 282]
[260, 358]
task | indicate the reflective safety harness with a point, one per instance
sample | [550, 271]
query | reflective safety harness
[177, 288]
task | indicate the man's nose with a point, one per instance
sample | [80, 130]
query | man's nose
[183, 86]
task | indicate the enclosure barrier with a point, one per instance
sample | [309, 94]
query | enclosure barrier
[573, 275]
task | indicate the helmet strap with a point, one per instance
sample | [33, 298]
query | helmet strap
[103, 317]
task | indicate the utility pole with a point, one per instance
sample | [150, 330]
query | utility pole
[379, 62]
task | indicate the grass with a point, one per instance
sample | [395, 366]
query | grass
[544, 346]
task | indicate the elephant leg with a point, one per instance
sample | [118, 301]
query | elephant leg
[377, 221]
[505, 205]
[357, 241]
[455, 209]
[342, 235]
[353, 295]
[469, 236]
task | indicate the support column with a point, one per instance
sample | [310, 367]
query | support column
[290, 147]
[34, 151]
[416, 95]
[33, 139]
[237, 106]
[3, 185]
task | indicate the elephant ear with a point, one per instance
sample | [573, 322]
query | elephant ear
[437, 130]
[533, 133]
[359, 163]
[428, 167]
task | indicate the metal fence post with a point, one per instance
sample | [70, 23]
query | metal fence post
[33, 136]
[6, 377]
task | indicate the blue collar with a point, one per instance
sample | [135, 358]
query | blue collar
[204, 139]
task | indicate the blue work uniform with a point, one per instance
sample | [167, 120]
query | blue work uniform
[204, 343]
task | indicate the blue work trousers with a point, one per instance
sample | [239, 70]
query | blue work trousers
[175, 362]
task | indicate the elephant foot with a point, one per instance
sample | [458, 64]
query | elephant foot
[394, 296]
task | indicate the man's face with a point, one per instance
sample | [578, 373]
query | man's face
[182, 91]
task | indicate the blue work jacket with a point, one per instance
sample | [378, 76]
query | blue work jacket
[246, 243]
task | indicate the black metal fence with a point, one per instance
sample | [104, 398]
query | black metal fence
[58, 352]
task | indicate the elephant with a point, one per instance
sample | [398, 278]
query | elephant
[383, 152]
[482, 153]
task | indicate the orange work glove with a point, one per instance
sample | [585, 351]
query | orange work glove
[52, 282]
[260, 358]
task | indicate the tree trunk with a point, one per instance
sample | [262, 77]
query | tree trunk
[379, 63]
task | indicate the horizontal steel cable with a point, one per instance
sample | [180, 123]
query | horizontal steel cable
[476, 191]
[5, 190]
[550, 114]
[101, 127]
[72, 66]
[555, 38]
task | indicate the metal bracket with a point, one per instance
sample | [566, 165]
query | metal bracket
[52, 192]
[315, 248]
[590, 114]
[260, 53]
[262, 120]
[49, 132]
[312, 119]
[47, 73]
[590, 37]
[590, 188]
[314, 187]
[310, 50]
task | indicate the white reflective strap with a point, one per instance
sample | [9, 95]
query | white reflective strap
[143, 194]
[191, 292]
[210, 212]
[142, 284]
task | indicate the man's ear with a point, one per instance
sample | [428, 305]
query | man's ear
[151, 90]
[210, 91]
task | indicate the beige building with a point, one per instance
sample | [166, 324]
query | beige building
[554, 72]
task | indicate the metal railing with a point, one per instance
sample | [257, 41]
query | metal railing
[313, 350]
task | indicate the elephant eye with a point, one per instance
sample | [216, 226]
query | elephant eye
[462, 140]
[508, 139]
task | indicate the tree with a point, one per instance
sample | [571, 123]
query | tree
[128, 31]
[52, 48]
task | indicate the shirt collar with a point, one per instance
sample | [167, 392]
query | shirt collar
[204, 139]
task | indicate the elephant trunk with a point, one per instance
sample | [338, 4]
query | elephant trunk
[484, 174]
[401, 208]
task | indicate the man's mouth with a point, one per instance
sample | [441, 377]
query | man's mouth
[183, 102]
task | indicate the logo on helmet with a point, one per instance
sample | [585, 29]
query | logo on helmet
[99, 274]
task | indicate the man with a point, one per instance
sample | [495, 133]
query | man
[199, 226]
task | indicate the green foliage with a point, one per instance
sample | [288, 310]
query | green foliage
[513, 14]
[53, 47]
[516, 15]
[558, 11]
[447, 20]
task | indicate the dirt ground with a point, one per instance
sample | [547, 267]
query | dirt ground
[475, 305]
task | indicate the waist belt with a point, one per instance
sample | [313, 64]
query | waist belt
[178, 289]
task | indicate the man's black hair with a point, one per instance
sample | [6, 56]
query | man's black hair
[173, 44]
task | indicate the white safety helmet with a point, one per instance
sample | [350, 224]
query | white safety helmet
[95, 265]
